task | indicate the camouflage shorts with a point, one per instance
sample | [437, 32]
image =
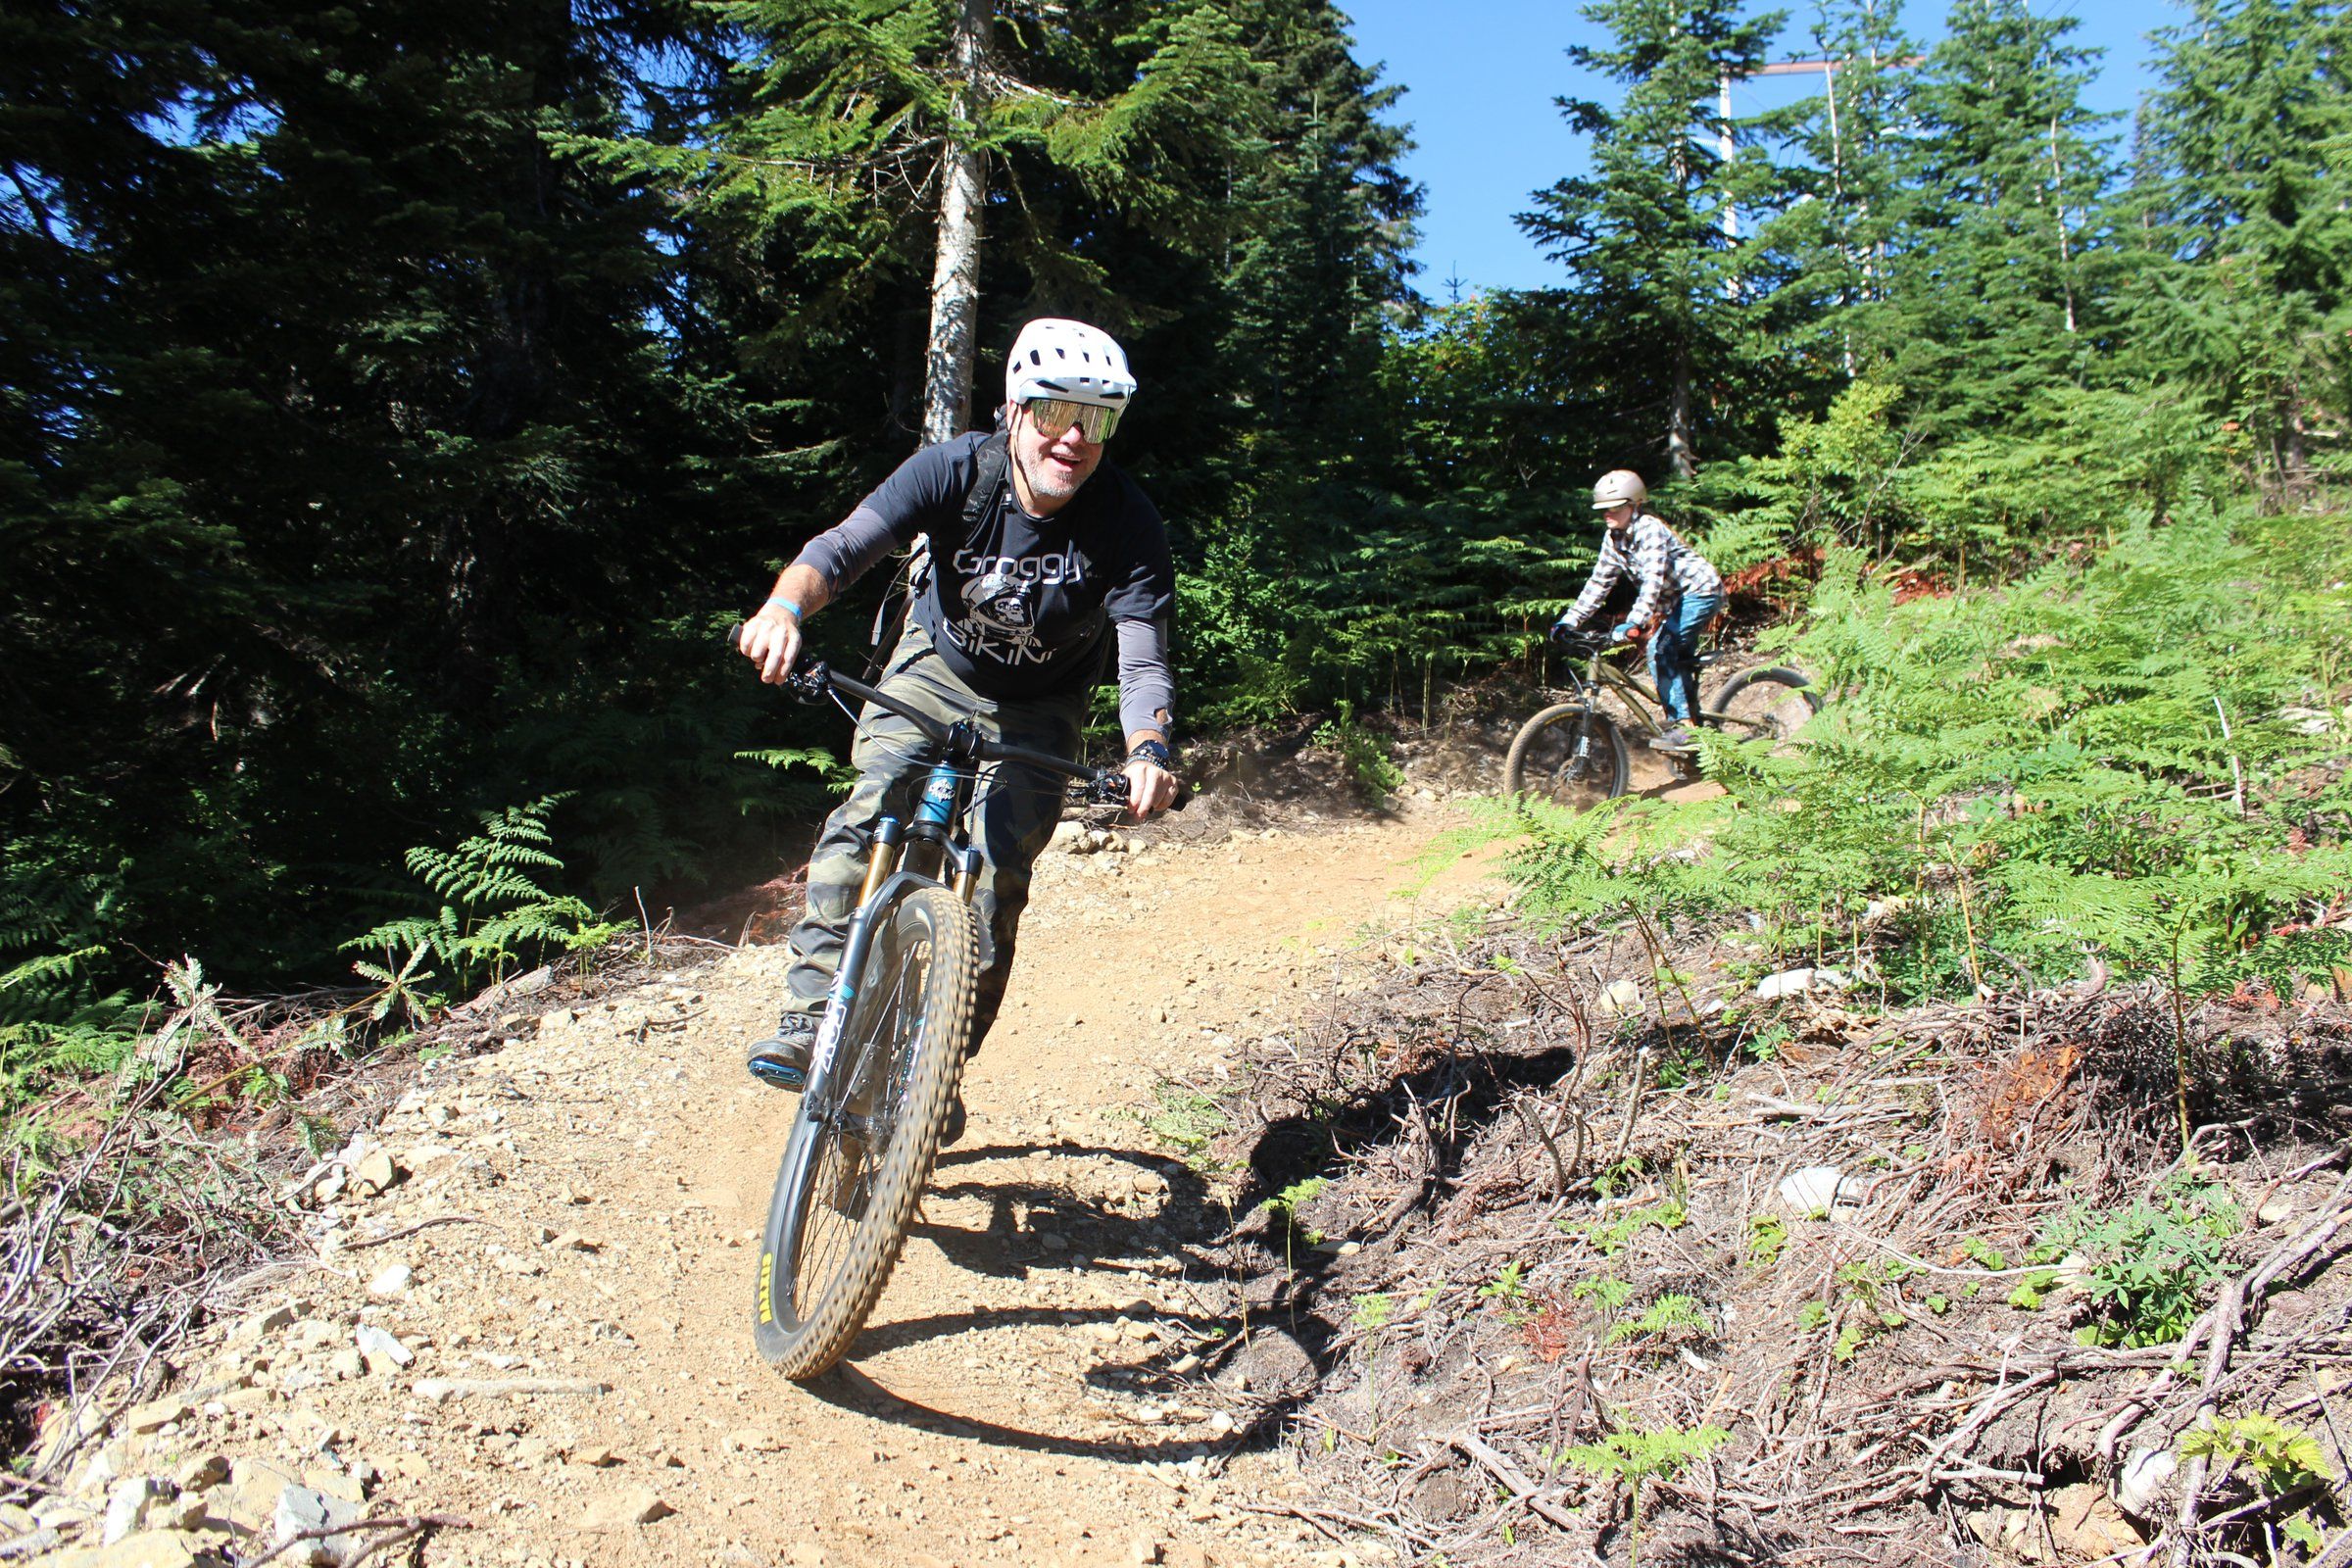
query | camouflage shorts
[1013, 818]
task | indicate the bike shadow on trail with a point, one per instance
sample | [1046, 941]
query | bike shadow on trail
[1185, 1228]
[1088, 1226]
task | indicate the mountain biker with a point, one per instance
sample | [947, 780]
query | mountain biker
[1676, 582]
[1044, 562]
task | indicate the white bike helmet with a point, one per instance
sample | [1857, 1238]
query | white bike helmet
[1053, 358]
[1617, 487]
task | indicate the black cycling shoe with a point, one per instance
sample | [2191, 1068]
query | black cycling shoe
[781, 1061]
[1677, 739]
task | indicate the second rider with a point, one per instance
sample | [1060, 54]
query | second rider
[1045, 564]
[1674, 583]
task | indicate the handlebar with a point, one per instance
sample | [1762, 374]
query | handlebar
[1098, 786]
[1583, 644]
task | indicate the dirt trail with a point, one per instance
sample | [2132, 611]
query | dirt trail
[1009, 1400]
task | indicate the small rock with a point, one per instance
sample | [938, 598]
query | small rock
[1819, 1190]
[2086, 1527]
[392, 1280]
[156, 1413]
[1620, 998]
[259, 1325]
[623, 1510]
[596, 1456]
[1146, 1551]
[301, 1509]
[128, 1504]
[255, 1485]
[347, 1365]
[199, 1474]
[2140, 1486]
[336, 1484]
[1797, 982]
[187, 1512]
[1149, 1182]
[377, 1345]
[754, 1440]
[156, 1549]
[573, 1242]
[1185, 1553]
[376, 1172]
[2275, 1212]
[805, 1554]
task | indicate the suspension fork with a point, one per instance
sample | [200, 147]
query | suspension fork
[888, 834]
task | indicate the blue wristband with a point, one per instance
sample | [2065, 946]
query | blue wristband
[778, 598]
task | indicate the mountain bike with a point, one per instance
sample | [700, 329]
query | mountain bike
[889, 1051]
[1575, 756]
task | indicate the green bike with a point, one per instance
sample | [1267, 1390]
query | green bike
[1574, 755]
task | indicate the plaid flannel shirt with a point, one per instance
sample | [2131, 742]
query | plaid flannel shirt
[1666, 568]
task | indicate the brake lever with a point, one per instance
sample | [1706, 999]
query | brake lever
[810, 683]
[1111, 789]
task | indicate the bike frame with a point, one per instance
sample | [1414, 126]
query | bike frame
[1637, 695]
[938, 819]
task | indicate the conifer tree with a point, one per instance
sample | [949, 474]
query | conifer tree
[1651, 236]
[1999, 264]
[1848, 200]
[2243, 200]
[887, 137]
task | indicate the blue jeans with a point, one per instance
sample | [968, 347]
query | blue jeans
[1674, 654]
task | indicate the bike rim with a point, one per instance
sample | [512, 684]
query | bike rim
[843, 1163]
[1570, 763]
[1767, 708]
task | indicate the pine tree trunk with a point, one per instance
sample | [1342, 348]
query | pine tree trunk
[956, 274]
[1681, 457]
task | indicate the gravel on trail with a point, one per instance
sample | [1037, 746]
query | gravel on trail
[525, 1335]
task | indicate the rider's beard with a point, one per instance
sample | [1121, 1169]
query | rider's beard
[1048, 481]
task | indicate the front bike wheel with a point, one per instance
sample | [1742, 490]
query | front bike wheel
[864, 1140]
[1771, 703]
[1570, 755]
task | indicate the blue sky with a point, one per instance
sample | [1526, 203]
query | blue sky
[1482, 76]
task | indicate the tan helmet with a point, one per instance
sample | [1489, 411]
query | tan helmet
[1617, 487]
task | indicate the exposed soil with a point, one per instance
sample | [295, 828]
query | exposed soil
[581, 1202]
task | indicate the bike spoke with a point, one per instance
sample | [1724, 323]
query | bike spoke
[849, 1154]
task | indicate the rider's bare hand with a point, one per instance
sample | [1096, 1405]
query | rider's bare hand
[771, 639]
[1151, 788]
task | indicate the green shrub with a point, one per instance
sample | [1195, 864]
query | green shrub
[1364, 754]
[2149, 1263]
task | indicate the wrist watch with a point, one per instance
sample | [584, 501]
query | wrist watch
[1153, 751]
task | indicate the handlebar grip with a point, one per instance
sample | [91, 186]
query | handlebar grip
[1111, 789]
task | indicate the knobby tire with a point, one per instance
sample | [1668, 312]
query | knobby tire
[1543, 765]
[1765, 701]
[841, 1207]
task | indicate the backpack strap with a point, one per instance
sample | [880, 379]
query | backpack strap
[995, 463]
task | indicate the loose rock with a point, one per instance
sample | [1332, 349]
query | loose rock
[301, 1509]
[621, 1510]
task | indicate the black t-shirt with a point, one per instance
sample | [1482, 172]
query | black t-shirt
[1023, 607]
